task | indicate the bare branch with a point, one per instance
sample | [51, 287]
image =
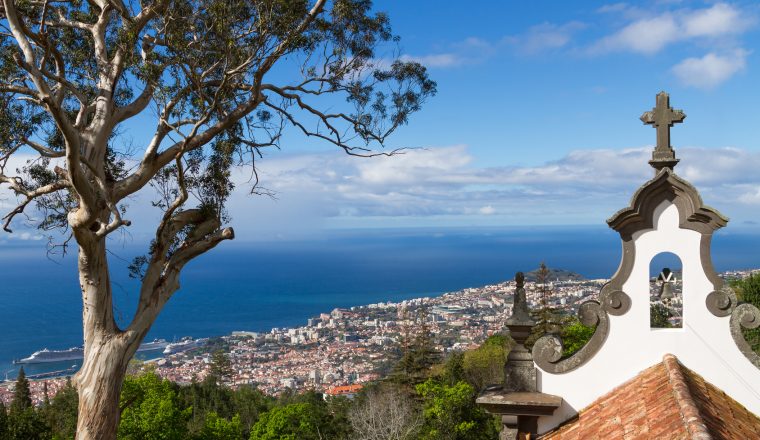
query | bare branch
[30, 194]
[43, 150]
[200, 246]
[150, 165]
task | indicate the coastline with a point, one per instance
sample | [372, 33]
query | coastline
[312, 355]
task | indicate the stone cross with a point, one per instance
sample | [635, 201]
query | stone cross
[662, 117]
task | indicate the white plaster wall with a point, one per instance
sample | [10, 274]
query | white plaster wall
[704, 344]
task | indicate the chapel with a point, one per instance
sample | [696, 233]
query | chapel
[698, 380]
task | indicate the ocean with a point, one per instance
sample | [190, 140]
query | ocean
[260, 285]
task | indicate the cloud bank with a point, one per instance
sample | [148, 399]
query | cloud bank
[445, 186]
[585, 186]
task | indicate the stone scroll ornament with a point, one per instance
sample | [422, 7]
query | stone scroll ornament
[722, 303]
[547, 350]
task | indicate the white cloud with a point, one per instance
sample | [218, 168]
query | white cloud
[650, 34]
[710, 70]
[751, 196]
[545, 36]
[720, 19]
[436, 60]
[613, 8]
[643, 36]
[471, 50]
[26, 236]
[487, 210]
[584, 186]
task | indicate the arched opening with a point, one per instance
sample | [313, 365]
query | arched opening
[665, 291]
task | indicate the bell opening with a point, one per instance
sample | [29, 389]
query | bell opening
[665, 291]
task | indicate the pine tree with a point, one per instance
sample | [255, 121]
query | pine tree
[22, 395]
[424, 345]
[61, 415]
[545, 319]
[45, 395]
[24, 422]
[4, 430]
[220, 368]
[418, 356]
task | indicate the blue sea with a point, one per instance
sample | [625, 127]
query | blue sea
[256, 286]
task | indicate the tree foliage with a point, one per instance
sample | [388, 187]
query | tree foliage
[221, 367]
[61, 414]
[659, 315]
[218, 428]
[23, 421]
[151, 410]
[217, 83]
[748, 290]
[22, 395]
[450, 413]
[574, 336]
[418, 356]
[4, 428]
[296, 421]
[546, 317]
[484, 366]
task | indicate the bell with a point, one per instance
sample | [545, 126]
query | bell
[666, 291]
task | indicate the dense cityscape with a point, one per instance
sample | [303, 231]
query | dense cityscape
[336, 352]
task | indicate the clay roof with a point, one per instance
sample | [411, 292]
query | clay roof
[665, 401]
[344, 389]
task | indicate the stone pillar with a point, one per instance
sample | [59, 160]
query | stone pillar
[508, 428]
[518, 401]
[519, 371]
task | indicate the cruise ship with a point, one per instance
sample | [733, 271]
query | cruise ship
[45, 356]
[184, 344]
[77, 353]
[156, 344]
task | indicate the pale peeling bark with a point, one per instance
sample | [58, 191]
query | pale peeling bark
[106, 349]
[99, 385]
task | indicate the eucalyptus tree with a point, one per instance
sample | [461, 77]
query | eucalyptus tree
[216, 81]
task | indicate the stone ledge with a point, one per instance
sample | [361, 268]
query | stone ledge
[496, 400]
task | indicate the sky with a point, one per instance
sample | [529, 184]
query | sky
[536, 122]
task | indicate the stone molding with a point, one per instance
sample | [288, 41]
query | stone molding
[666, 185]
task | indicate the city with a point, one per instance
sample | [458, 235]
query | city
[336, 352]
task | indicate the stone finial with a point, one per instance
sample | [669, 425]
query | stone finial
[519, 371]
[662, 117]
[520, 312]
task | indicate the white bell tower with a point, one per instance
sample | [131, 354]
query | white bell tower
[666, 214]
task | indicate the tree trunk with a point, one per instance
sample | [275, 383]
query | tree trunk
[107, 350]
[99, 386]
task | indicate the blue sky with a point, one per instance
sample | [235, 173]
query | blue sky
[536, 118]
[526, 82]
[535, 121]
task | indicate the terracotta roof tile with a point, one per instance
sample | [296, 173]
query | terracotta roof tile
[665, 401]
